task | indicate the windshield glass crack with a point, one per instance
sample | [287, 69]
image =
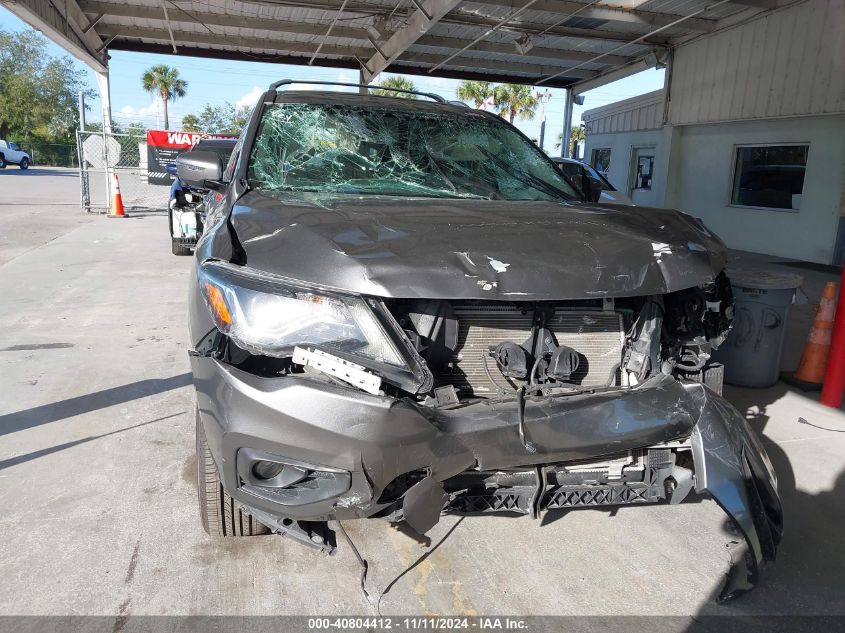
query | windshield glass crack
[345, 149]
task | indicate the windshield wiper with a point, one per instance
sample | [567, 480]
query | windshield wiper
[528, 179]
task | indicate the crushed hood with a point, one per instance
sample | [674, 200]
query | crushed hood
[475, 249]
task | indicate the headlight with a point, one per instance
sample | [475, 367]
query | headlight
[269, 316]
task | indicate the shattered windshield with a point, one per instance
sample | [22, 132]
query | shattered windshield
[346, 149]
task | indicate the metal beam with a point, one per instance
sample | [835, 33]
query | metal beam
[279, 58]
[122, 33]
[534, 28]
[180, 15]
[609, 76]
[183, 38]
[510, 49]
[611, 14]
[420, 21]
[535, 71]
[758, 4]
[62, 26]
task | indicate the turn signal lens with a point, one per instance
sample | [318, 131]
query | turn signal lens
[218, 306]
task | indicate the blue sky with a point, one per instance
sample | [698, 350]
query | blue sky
[216, 82]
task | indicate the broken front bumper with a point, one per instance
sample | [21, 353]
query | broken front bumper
[360, 443]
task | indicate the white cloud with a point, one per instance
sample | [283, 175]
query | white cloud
[144, 111]
[250, 98]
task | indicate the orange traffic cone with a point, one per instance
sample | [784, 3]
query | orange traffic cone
[814, 360]
[116, 210]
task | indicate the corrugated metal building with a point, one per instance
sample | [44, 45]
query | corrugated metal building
[749, 134]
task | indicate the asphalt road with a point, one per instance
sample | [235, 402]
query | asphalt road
[36, 206]
[98, 501]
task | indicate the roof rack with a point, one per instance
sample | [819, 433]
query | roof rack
[287, 82]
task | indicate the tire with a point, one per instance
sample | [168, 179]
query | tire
[220, 514]
[177, 249]
[2, 162]
[24, 164]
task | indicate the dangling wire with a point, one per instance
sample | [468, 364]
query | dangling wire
[520, 405]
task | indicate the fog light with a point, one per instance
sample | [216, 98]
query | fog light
[288, 481]
[266, 470]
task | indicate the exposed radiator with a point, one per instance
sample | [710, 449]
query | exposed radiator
[597, 336]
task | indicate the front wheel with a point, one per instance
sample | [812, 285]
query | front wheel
[220, 514]
[24, 164]
[2, 162]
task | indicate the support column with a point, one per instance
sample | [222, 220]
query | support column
[362, 79]
[105, 99]
[567, 126]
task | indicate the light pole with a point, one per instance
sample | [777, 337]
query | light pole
[543, 98]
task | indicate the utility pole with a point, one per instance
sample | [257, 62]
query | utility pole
[543, 98]
[81, 111]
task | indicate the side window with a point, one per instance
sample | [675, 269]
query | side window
[770, 176]
[229, 171]
[573, 170]
[14, 146]
[600, 160]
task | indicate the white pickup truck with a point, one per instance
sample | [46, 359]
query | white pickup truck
[12, 153]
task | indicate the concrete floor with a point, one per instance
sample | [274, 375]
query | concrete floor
[97, 472]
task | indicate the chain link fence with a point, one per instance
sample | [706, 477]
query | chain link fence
[99, 156]
[52, 154]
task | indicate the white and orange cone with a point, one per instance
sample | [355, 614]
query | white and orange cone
[816, 351]
[117, 210]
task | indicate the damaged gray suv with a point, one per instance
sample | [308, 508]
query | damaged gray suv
[401, 308]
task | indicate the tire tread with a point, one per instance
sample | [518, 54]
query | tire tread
[221, 515]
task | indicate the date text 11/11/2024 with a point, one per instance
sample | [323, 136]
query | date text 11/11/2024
[417, 623]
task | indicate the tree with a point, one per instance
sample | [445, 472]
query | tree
[191, 123]
[576, 134]
[164, 81]
[222, 119]
[476, 91]
[399, 82]
[38, 93]
[516, 100]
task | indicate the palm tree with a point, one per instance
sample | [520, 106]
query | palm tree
[516, 100]
[476, 91]
[399, 82]
[164, 82]
[576, 134]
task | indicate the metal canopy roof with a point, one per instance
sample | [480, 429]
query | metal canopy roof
[557, 43]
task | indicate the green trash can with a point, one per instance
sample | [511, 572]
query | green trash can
[752, 352]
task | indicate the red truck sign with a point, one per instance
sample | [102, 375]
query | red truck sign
[164, 146]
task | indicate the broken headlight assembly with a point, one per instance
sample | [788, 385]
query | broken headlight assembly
[269, 316]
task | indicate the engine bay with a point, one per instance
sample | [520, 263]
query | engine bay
[478, 349]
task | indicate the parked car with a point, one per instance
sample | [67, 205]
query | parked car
[186, 207]
[12, 153]
[401, 307]
[588, 179]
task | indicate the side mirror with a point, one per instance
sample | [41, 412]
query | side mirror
[200, 170]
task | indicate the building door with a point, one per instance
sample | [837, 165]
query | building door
[642, 173]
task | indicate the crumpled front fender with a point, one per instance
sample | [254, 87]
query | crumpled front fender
[732, 466]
